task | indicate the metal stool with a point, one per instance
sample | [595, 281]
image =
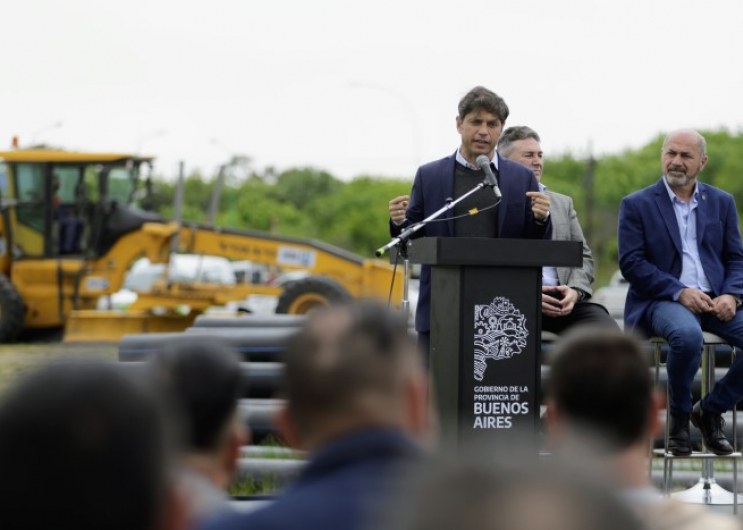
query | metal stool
[706, 491]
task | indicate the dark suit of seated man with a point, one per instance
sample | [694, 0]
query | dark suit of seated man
[680, 249]
[523, 212]
[566, 291]
[356, 400]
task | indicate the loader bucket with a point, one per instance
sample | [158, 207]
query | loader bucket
[111, 326]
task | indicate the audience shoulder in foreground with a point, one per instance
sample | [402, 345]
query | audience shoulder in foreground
[356, 400]
[515, 496]
[603, 412]
[203, 380]
[84, 446]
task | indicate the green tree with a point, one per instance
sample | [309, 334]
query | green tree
[300, 186]
[311, 203]
[357, 217]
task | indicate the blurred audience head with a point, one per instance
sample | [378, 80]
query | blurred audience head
[601, 392]
[203, 382]
[350, 367]
[85, 446]
[203, 379]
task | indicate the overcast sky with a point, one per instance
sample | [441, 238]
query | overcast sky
[360, 87]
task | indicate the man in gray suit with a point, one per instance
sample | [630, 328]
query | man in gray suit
[565, 291]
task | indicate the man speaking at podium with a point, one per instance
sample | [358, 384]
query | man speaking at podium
[521, 212]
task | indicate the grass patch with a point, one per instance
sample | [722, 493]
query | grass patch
[275, 447]
[268, 484]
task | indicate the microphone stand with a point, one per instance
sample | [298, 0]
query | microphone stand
[403, 251]
[401, 241]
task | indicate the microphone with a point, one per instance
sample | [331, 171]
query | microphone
[484, 162]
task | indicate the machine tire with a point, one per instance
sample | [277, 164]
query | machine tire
[302, 296]
[11, 311]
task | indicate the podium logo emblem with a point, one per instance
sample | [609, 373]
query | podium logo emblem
[500, 333]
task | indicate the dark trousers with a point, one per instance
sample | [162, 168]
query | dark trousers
[424, 345]
[583, 314]
[682, 329]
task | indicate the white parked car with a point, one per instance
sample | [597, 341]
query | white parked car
[613, 296]
[182, 268]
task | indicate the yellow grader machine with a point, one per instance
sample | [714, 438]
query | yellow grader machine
[70, 230]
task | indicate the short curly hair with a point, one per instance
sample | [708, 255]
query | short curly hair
[480, 98]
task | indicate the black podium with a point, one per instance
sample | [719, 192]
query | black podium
[486, 322]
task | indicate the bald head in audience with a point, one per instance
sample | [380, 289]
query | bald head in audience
[353, 367]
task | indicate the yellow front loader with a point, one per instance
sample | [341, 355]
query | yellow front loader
[69, 232]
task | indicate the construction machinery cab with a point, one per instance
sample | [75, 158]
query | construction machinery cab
[57, 203]
[59, 212]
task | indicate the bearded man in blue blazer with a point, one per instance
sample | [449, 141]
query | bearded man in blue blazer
[680, 249]
[523, 212]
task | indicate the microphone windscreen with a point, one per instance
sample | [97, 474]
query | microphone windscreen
[483, 161]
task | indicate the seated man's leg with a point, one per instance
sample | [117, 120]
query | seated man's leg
[707, 414]
[683, 331]
[551, 324]
[729, 390]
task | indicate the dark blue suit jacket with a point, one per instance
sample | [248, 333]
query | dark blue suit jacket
[434, 183]
[650, 250]
[343, 487]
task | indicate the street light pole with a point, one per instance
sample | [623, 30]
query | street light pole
[219, 183]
